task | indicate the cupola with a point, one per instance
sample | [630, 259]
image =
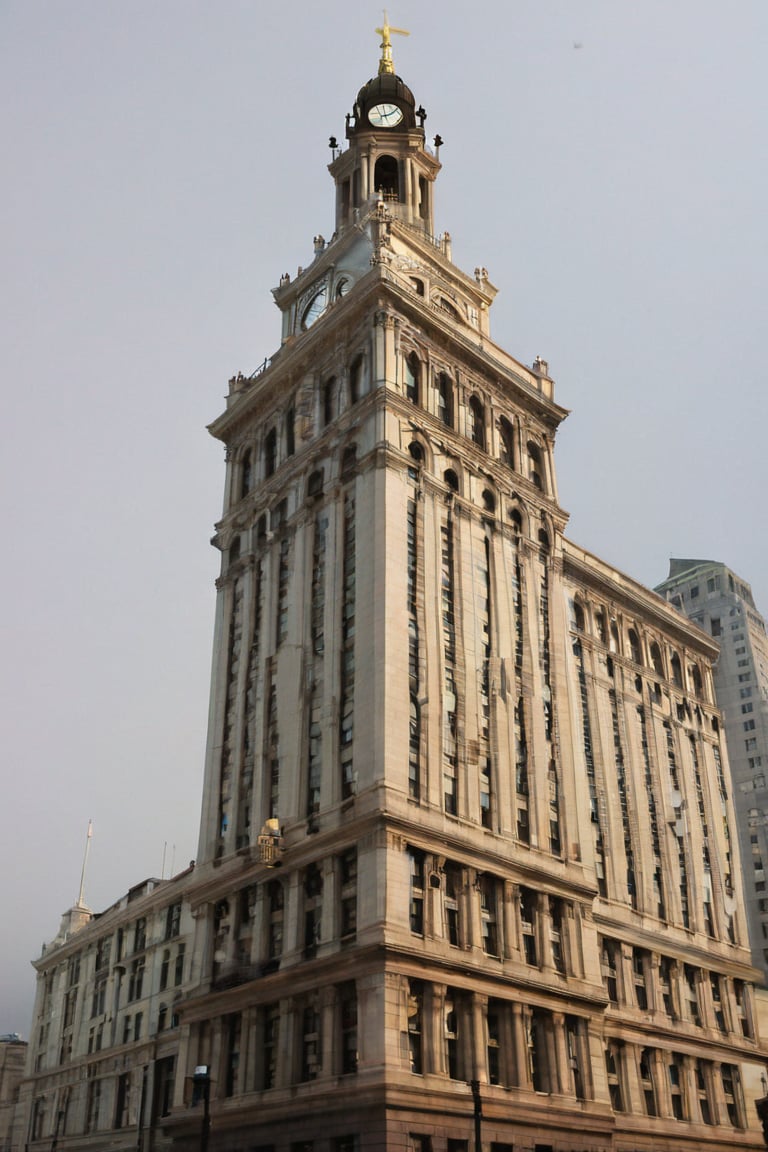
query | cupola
[387, 158]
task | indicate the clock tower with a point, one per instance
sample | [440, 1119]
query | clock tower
[412, 847]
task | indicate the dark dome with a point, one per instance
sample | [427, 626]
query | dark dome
[386, 88]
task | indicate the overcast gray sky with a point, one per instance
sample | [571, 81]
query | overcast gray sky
[164, 164]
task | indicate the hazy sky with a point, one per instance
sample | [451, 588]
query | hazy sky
[164, 163]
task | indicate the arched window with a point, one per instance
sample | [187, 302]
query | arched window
[246, 473]
[270, 452]
[413, 378]
[516, 520]
[578, 617]
[614, 645]
[445, 399]
[355, 379]
[535, 471]
[658, 667]
[386, 178]
[506, 442]
[677, 670]
[600, 626]
[695, 678]
[416, 452]
[635, 652]
[451, 479]
[489, 501]
[543, 541]
[234, 550]
[476, 421]
[315, 484]
[290, 434]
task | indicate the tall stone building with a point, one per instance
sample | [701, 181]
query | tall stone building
[467, 850]
[721, 603]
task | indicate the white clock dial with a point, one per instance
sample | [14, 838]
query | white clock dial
[385, 115]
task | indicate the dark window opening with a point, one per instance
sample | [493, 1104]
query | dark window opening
[386, 178]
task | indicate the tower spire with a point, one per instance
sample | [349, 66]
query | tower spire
[385, 64]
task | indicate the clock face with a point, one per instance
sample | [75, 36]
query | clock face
[315, 308]
[385, 115]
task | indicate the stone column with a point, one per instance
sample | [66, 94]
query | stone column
[706, 1003]
[544, 932]
[434, 1029]
[478, 1065]
[286, 1056]
[692, 1108]
[510, 916]
[661, 1084]
[719, 1107]
[507, 1055]
[563, 1081]
[626, 976]
[328, 1061]
[521, 1015]
[474, 935]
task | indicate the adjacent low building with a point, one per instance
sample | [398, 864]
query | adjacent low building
[13, 1052]
[105, 1030]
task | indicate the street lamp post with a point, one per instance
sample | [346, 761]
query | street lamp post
[475, 1086]
[202, 1091]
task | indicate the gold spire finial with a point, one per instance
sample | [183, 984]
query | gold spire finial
[385, 64]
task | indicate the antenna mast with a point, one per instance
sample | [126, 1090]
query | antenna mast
[81, 897]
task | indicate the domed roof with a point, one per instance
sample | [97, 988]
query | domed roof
[386, 88]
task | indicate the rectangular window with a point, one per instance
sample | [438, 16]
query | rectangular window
[346, 1144]
[173, 920]
[310, 1043]
[178, 973]
[136, 980]
[415, 1012]
[453, 886]
[348, 1014]
[123, 1101]
[348, 894]
[93, 1105]
[416, 864]
[164, 969]
[165, 1075]
[528, 917]
[140, 935]
[270, 1016]
[675, 1070]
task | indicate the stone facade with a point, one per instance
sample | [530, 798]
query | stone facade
[467, 846]
[721, 603]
